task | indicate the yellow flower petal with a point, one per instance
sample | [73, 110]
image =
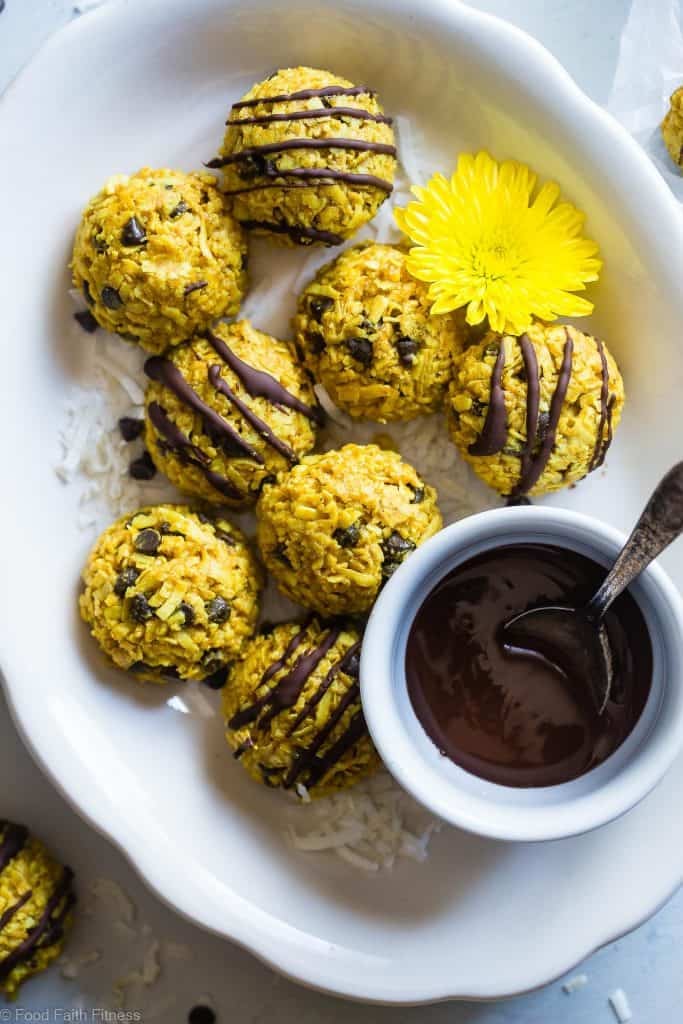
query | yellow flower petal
[486, 239]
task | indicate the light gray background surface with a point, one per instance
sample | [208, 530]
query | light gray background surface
[584, 35]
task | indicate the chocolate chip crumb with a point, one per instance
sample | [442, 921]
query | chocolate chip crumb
[140, 608]
[187, 612]
[218, 610]
[125, 579]
[349, 537]
[407, 350]
[418, 495]
[216, 681]
[319, 304]
[143, 468]
[194, 287]
[133, 233]
[360, 349]
[86, 320]
[147, 541]
[111, 298]
[179, 210]
[131, 428]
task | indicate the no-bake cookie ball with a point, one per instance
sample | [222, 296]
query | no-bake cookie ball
[158, 257]
[536, 413]
[171, 593]
[308, 157]
[293, 711]
[333, 529]
[227, 411]
[364, 328]
[36, 901]
[672, 128]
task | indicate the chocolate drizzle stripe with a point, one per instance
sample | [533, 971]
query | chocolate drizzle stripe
[11, 911]
[13, 841]
[320, 174]
[355, 731]
[249, 714]
[356, 113]
[261, 428]
[311, 704]
[305, 758]
[601, 446]
[306, 94]
[288, 690]
[356, 145]
[494, 432]
[533, 395]
[258, 383]
[162, 370]
[180, 443]
[608, 440]
[300, 235]
[541, 460]
[48, 928]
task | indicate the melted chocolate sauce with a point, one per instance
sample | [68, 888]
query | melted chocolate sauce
[300, 235]
[357, 145]
[163, 370]
[259, 425]
[319, 174]
[494, 432]
[514, 720]
[305, 94]
[178, 442]
[260, 384]
[356, 113]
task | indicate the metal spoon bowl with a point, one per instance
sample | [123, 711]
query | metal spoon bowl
[574, 640]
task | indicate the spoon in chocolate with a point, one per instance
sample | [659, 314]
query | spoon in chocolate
[574, 640]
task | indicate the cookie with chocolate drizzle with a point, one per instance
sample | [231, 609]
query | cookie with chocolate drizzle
[36, 902]
[308, 157]
[535, 413]
[228, 411]
[293, 712]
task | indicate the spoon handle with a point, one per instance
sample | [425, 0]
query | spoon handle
[659, 525]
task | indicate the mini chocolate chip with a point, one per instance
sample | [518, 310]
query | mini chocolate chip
[520, 499]
[316, 342]
[166, 531]
[360, 349]
[348, 537]
[216, 681]
[397, 547]
[407, 350]
[99, 244]
[418, 495]
[111, 298]
[125, 579]
[218, 610]
[86, 320]
[352, 665]
[133, 233]
[87, 294]
[319, 304]
[179, 210]
[140, 608]
[143, 468]
[255, 167]
[187, 612]
[196, 286]
[131, 428]
[147, 541]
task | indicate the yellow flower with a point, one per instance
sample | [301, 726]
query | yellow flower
[483, 242]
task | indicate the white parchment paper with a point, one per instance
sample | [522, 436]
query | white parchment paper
[650, 67]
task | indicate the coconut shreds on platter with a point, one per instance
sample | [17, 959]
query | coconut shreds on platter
[376, 822]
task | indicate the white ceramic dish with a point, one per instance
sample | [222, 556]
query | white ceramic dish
[150, 82]
[482, 807]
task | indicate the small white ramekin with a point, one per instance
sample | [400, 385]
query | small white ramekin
[475, 804]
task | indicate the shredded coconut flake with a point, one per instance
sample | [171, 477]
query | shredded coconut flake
[620, 1006]
[572, 984]
[369, 826]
